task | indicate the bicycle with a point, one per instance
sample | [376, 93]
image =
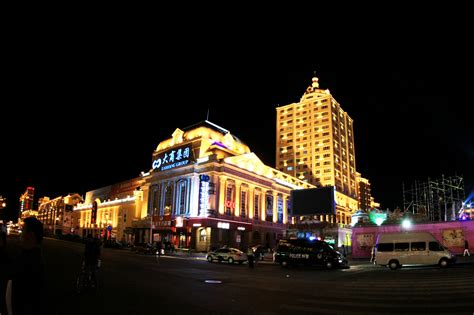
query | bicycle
[87, 278]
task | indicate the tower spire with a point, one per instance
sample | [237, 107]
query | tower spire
[315, 80]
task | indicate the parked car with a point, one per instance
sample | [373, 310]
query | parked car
[230, 255]
[307, 252]
[113, 244]
[144, 248]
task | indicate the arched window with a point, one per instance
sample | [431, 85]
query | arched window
[168, 199]
[269, 207]
[256, 206]
[182, 197]
[203, 235]
[280, 209]
[243, 201]
[156, 200]
[229, 198]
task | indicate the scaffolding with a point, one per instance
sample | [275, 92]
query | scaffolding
[440, 200]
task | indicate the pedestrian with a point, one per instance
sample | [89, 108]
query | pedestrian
[27, 271]
[466, 248]
[91, 257]
[372, 255]
[343, 249]
[250, 256]
[3, 275]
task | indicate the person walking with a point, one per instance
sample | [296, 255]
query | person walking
[466, 248]
[250, 256]
[372, 255]
[91, 257]
[3, 275]
[27, 271]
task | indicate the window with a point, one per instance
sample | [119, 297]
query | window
[418, 246]
[243, 202]
[229, 200]
[156, 200]
[203, 235]
[168, 199]
[269, 208]
[256, 206]
[401, 247]
[435, 246]
[385, 247]
[182, 197]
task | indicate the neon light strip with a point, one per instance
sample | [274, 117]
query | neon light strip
[224, 220]
[106, 203]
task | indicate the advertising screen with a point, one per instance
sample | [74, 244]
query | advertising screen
[314, 201]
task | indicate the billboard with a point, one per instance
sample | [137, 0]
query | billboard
[313, 201]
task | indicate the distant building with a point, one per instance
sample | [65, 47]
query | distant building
[56, 214]
[26, 199]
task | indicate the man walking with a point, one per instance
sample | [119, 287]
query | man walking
[466, 248]
[250, 256]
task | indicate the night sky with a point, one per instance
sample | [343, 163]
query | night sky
[85, 112]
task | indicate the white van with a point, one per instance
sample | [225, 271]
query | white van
[411, 248]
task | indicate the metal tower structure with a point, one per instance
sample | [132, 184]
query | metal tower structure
[439, 199]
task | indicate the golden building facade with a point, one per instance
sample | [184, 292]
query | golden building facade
[205, 189]
[315, 143]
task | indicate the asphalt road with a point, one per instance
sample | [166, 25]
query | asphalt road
[137, 284]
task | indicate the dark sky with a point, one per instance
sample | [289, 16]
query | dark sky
[87, 110]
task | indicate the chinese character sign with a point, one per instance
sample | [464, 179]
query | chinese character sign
[173, 158]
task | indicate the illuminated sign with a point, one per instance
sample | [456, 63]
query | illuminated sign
[203, 194]
[196, 224]
[223, 225]
[241, 228]
[179, 221]
[230, 204]
[173, 158]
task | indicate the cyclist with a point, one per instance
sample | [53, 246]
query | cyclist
[91, 257]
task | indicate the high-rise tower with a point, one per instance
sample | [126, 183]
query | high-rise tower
[315, 143]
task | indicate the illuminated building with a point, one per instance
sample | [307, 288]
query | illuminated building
[364, 196]
[109, 211]
[26, 199]
[315, 143]
[205, 189]
[56, 214]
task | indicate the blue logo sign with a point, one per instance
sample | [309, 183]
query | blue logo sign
[173, 158]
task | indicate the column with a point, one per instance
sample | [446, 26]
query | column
[193, 190]
[238, 185]
[221, 205]
[285, 210]
[263, 201]
[275, 208]
[251, 198]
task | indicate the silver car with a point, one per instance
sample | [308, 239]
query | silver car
[229, 255]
